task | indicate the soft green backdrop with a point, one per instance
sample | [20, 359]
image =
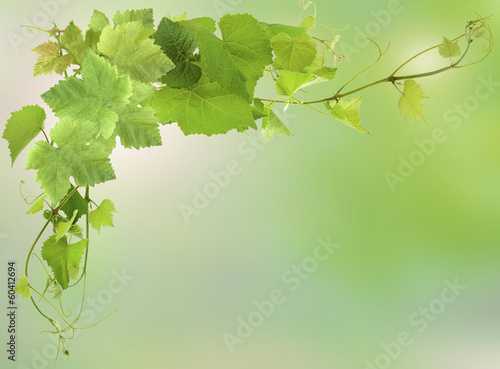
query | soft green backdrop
[191, 282]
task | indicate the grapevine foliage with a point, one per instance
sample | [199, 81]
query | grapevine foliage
[124, 78]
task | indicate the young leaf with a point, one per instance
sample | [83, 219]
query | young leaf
[308, 22]
[206, 109]
[133, 54]
[272, 125]
[98, 21]
[72, 41]
[196, 23]
[57, 292]
[238, 60]
[59, 256]
[347, 112]
[143, 15]
[49, 60]
[74, 157]
[449, 49]
[103, 215]
[294, 53]
[37, 205]
[65, 226]
[23, 288]
[410, 104]
[73, 272]
[274, 29]
[22, 127]
[95, 98]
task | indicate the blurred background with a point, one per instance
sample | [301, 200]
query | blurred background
[413, 211]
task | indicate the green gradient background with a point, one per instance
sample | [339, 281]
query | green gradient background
[192, 281]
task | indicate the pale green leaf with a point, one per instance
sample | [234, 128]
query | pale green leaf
[77, 155]
[196, 23]
[274, 29]
[98, 21]
[73, 272]
[410, 104]
[49, 60]
[288, 81]
[59, 256]
[37, 205]
[143, 60]
[205, 109]
[449, 49]
[95, 98]
[22, 127]
[23, 288]
[308, 22]
[294, 53]
[347, 111]
[64, 227]
[238, 60]
[73, 42]
[145, 16]
[271, 124]
[103, 215]
[57, 292]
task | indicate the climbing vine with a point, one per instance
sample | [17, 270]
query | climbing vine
[123, 78]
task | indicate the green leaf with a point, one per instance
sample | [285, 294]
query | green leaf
[98, 21]
[178, 43]
[294, 53]
[59, 256]
[272, 125]
[196, 23]
[143, 15]
[73, 42]
[308, 22]
[138, 127]
[205, 109]
[23, 288]
[288, 81]
[274, 29]
[57, 292]
[65, 226]
[347, 112]
[449, 49]
[103, 215]
[49, 60]
[238, 60]
[22, 127]
[95, 98]
[37, 205]
[132, 54]
[73, 272]
[410, 104]
[76, 156]
[75, 203]
[177, 18]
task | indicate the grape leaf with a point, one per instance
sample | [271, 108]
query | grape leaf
[274, 29]
[76, 156]
[206, 109]
[23, 288]
[22, 127]
[196, 23]
[133, 54]
[288, 81]
[49, 60]
[65, 226]
[75, 202]
[347, 111]
[59, 256]
[37, 205]
[294, 53]
[73, 42]
[73, 272]
[103, 215]
[410, 104]
[178, 43]
[449, 49]
[271, 124]
[95, 98]
[238, 60]
[98, 21]
[57, 292]
[143, 15]
[308, 22]
[177, 18]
